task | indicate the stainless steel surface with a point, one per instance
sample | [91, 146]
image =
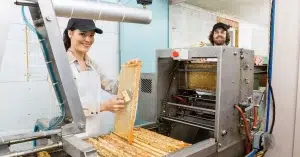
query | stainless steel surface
[234, 150]
[146, 125]
[147, 108]
[197, 70]
[187, 123]
[100, 10]
[96, 10]
[201, 149]
[191, 97]
[185, 75]
[4, 149]
[29, 0]
[26, 3]
[34, 150]
[13, 139]
[247, 74]
[191, 107]
[234, 85]
[77, 147]
[231, 89]
[163, 68]
[193, 53]
[59, 64]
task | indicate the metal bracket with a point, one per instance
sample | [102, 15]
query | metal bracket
[58, 66]
[77, 147]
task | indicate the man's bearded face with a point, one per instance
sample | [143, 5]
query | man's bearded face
[219, 36]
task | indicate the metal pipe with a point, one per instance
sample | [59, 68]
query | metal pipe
[13, 139]
[96, 10]
[192, 107]
[99, 10]
[186, 123]
[26, 3]
[34, 150]
[197, 70]
[197, 117]
[197, 98]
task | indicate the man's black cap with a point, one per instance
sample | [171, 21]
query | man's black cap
[220, 25]
[83, 25]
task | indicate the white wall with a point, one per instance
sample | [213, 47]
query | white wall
[189, 25]
[286, 80]
[24, 100]
[255, 37]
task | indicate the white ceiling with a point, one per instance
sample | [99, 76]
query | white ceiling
[253, 11]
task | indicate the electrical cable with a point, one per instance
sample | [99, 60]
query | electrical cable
[270, 88]
[249, 139]
[245, 122]
[255, 110]
[180, 99]
[273, 108]
[252, 153]
[271, 91]
[272, 23]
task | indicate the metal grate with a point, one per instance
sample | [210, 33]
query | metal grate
[146, 85]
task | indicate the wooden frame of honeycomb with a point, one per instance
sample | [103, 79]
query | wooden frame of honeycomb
[145, 144]
[129, 80]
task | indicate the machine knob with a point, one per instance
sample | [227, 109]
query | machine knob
[175, 54]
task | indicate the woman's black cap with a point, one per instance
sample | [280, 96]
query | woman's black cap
[83, 25]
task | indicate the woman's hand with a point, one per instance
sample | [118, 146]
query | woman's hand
[113, 105]
[202, 60]
[133, 61]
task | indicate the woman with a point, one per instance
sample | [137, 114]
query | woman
[91, 83]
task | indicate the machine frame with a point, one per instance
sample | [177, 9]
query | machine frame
[234, 86]
[235, 68]
[72, 122]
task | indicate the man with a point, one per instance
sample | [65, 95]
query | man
[219, 36]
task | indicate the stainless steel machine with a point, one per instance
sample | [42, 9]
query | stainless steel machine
[61, 133]
[199, 101]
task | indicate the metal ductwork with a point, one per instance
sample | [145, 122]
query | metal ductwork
[98, 10]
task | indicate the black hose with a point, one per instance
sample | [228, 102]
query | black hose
[273, 108]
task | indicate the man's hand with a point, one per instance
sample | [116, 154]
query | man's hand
[113, 105]
[258, 60]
